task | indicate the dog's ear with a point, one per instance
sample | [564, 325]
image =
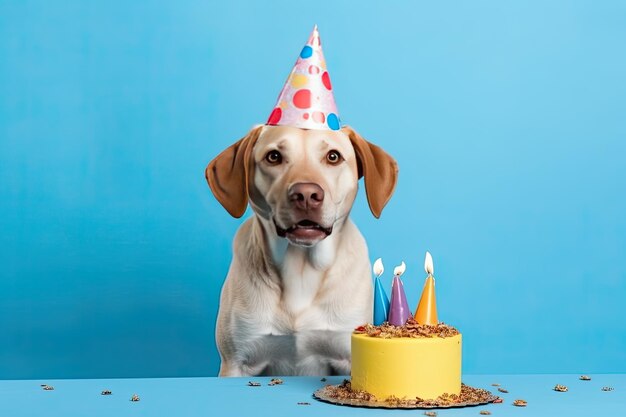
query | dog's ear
[379, 169]
[228, 173]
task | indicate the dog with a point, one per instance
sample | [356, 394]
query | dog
[299, 281]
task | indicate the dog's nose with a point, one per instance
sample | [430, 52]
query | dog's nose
[306, 195]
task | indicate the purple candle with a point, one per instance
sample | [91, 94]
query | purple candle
[399, 311]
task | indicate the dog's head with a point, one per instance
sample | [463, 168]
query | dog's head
[304, 181]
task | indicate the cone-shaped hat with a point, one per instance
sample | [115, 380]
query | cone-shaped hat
[306, 101]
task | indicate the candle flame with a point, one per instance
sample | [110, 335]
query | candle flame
[378, 267]
[399, 270]
[428, 264]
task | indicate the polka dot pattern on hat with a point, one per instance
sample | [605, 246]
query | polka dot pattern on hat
[307, 100]
[333, 121]
[307, 51]
[302, 99]
[326, 80]
[274, 116]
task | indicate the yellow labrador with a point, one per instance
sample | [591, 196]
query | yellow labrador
[299, 281]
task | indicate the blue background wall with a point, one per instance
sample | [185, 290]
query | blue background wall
[507, 121]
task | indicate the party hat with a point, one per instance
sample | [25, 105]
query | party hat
[306, 100]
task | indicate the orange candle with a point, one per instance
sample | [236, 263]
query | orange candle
[426, 312]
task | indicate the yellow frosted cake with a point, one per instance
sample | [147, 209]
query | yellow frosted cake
[411, 361]
[404, 360]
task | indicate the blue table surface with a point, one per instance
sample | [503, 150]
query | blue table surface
[182, 397]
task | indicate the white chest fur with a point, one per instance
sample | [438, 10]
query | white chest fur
[299, 322]
[305, 275]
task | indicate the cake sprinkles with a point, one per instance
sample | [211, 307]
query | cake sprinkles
[344, 394]
[410, 329]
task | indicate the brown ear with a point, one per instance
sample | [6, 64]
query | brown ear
[228, 173]
[379, 169]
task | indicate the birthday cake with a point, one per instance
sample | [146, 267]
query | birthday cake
[403, 360]
[410, 361]
[404, 356]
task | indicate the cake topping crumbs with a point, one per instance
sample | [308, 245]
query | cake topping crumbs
[498, 401]
[560, 388]
[303, 403]
[603, 388]
[430, 413]
[485, 413]
[410, 329]
[520, 403]
[344, 391]
[276, 381]
[134, 398]
[503, 390]
[468, 395]
[47, 387]
[254, 384]
[106, 392]
[585, 378]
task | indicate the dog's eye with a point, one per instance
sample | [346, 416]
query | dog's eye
[274, 157]
[333, 157]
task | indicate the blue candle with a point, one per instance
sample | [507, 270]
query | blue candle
[381, 301]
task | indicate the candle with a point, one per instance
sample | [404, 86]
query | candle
[381, 301]
[399, 311]
[426, 312]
